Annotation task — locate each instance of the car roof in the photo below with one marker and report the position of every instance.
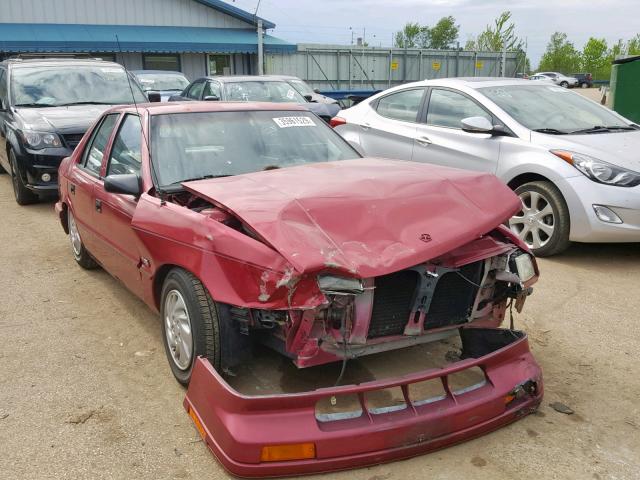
(158, 72)
(472, 82)
(245, 78)
(199, 107)
(48, 62)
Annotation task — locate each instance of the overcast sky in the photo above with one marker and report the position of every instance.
(328, 21)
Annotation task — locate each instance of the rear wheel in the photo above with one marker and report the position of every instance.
(190, 325)
(80, 254)
(584, 85)
(23, 195)
(543, 222)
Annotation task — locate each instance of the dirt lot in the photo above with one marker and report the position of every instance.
(85, 390)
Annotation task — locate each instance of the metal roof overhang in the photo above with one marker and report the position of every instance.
(59, 38)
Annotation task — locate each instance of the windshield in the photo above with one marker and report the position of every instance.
(212, 144)
(69, 85)
(551, 108)
(302, 87)
(162, 81)
(261, 91)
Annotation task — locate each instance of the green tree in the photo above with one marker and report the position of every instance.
(444, 33)
(595, 58)
(560, 56)
(409, 36)
(497, 37)
(633, 47)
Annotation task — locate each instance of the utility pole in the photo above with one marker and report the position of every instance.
(260, 49)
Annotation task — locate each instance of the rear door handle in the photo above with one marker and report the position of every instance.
(366, 126)
(72, 188)
(98, 205)
(424, 141)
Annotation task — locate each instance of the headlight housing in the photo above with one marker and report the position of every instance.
(599, 170)
(39, 140)
(340, 285)
(523, 265)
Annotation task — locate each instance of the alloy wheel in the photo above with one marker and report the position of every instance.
(177, 325)
(535, 222)
(74, 236)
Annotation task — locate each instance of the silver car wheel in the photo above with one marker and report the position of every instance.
(535, 223)
(74, 236)
(177, 325)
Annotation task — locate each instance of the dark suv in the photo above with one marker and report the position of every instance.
(585, 80)
(46, 106)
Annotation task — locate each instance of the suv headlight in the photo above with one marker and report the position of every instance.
(38, 140)
(599, 170)
(340, 285)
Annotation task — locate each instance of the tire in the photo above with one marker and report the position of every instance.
(544, 222)
(564, 84)
(22, 194)
(202, 322)
(584, 85)
(80, 253)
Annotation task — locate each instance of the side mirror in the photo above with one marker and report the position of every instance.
(211, 98)
(154, 97)
(127, 184)
(316, 90)
(308, 98)
(477, 125)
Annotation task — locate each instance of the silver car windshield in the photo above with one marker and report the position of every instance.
(551, 108)
(189, 146)
(262, 91)
(73, 85)
(162, 81)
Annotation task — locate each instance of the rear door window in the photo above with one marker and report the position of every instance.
(448, 109)
(212, 89)
(402, 105)
(94, 152)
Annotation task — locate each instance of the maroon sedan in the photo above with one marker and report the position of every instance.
(244, 223)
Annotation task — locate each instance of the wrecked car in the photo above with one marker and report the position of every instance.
(249, 222)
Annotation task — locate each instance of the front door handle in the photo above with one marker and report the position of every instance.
(366, 126)
(98, 205)
(72, 188)
(424, 141)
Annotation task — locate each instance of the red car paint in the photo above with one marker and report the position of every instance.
(362, 218)
(235, 427)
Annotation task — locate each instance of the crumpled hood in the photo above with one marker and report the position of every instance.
(366, 216)
(618, 148)
(74, 119)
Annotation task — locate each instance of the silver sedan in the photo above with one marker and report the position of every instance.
(574, 164)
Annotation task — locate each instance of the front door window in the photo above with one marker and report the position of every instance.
(219, 64)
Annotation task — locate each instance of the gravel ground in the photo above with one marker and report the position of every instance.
(86, 392)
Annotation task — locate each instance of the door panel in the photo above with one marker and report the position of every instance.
(81, 187)
(389, 129)
(441, 140)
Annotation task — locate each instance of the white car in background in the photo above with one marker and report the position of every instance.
(574, 164)
(560, 79)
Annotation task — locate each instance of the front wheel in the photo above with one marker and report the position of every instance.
(543, 223)
(23, 195)
(584, 85)
(190, 325)
(564, 84)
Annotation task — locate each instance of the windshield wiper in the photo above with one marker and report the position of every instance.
(177, 186)
(33, 105)
(603, 129)
(82, 103)
(550, 131)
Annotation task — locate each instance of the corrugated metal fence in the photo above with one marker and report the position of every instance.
(335, 67)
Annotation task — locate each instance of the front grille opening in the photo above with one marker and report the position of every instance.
(454, 296)
(466, 380)
(338, 407)
(428, 391)
(385, 400)
(392, 303)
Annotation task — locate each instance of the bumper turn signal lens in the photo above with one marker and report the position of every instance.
(197, 423)
(296, 451)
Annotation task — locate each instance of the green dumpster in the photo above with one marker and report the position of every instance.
(625, 87)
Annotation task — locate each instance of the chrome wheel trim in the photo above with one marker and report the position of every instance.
(74, 236)
(177, 327)
(535, 222)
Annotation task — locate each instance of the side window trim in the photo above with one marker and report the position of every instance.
(116, 131)
(195, 84)
(85, 154)
(374, 105)
(424, 113)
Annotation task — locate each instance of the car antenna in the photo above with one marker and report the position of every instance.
(161, 193)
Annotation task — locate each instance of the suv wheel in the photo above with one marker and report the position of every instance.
(23, 195)
(190, 325)
(543, 223)
(584, 85)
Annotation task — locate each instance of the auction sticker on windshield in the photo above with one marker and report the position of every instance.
(285, 122)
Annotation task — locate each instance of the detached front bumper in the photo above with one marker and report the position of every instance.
(237, 428)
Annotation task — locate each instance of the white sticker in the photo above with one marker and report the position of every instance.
(111, 70)
(285, 122)
(291, 94)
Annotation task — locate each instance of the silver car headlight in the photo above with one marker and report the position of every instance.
(38, 140)
(599, 170)
(340, 285)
